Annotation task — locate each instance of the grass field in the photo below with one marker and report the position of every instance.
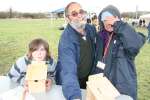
(15, 35)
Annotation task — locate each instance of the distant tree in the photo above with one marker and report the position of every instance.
(133, 14)
(10, 13)
(4, 15)
(34, 15)
(128, 14)
(14, 14)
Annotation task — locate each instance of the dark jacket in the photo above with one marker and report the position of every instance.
(124, 46)
(68, 60)
(148, 27)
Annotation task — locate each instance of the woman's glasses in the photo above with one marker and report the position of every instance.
(75, 13)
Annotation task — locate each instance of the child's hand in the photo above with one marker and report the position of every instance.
(26, 87)
(48, 84)
(25, 91)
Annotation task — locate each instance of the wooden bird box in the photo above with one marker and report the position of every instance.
(36, 77)
(100, 88)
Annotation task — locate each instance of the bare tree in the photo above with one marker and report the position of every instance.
(10, 13)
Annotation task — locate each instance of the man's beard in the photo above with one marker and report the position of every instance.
(78, 25)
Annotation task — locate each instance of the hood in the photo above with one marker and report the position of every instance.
(111, 9)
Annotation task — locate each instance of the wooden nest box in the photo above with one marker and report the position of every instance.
(100, 88)
(36, 77)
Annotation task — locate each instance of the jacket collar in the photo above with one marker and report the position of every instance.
(73, 34)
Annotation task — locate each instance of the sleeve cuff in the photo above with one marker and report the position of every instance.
(117, 25)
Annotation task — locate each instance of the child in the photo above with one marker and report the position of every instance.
(38, 51)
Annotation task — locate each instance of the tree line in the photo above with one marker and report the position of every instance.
(14, 14)
(133, 14)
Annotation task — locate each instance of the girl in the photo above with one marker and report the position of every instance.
(38, 51)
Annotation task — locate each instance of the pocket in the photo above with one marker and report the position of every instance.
(128, 88)
(118, 52)
(124, 71)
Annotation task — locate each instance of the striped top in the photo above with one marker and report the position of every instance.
(18, 70)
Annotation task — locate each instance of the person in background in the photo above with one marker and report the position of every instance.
(88, 21)
(95, 22)
(38, 50)
(121, 44)
(76, 52)
(148, 37)
(140, 22)
(143, 23)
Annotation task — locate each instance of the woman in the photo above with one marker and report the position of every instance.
(121, 44)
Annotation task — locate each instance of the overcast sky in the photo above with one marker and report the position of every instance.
(89, 5)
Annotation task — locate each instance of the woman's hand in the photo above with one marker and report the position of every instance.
(48, 84)
(109, 22)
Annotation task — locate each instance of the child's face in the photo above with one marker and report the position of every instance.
(39, 54)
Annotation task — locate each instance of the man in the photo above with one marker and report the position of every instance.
(121, 45)
(76, 52)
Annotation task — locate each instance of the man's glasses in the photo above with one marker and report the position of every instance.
(75, 13)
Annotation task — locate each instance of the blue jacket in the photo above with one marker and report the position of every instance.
(68, 60)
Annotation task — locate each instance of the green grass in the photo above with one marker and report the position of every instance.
(143, 70)
(15, 34)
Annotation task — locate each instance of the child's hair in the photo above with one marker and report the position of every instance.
(34, 45)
